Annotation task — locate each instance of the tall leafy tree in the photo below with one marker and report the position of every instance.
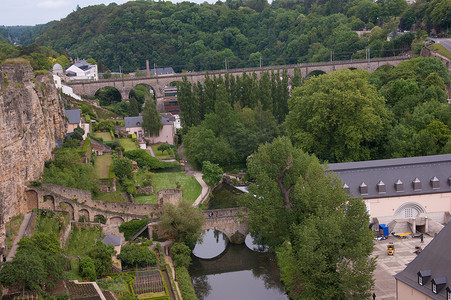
(319, 232)
(151, 118)
(338, 116)
(183, 222)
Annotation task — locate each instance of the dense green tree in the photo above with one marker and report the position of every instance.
(211, 173)
(37, 263)
(182, 222)
(136, 256)
(101, 255)
(123, 168)
(337, 116)
(181, 254)
(87, 269)
(151, 118)
(133, 109)
(301, 210)
(108, 95)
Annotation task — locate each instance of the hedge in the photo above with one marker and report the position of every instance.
(185, 284)
(130, 228)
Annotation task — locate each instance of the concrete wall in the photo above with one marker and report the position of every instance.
(166, 135)
(405, 292)
(434, 204)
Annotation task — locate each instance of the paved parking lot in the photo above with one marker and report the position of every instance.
(388, 266)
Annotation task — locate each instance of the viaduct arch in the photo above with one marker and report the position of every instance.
(124, 85)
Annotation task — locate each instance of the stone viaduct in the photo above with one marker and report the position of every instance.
(229, 221)
(125, 85)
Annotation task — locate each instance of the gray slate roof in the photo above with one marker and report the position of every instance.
(436, 258)
(73, 115)
(133, 121)
(137, 121)
(113, 240)
(390, 171)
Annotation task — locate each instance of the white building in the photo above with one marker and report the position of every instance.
(82, 70)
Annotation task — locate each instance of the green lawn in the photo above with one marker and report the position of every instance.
(102, 165)
(128, 144)
(106, 136)
(12, 228)
(159, 154)
(81, 240)
(440, 49)
(109, 197)
(190, 187)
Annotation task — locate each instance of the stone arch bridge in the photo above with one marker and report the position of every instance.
(230, 221)
(125, 85)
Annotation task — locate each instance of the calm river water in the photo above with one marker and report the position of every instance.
(231, 271)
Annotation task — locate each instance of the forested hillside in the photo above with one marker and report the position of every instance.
(189, 36)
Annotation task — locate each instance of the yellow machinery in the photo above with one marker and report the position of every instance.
(390, 249)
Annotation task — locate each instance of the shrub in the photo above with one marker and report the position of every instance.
(143, 158)
(137, 256)
(181, 254)
(130, 228)
(185, 284)
(87, 269)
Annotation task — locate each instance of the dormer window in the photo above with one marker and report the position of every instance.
(363, 189)
(138, 124)
(381, 189)
(438, 284)
(416, 184)
(346, 188)
(399, 186)
(423, 276)
(448, 292)
(435, 183)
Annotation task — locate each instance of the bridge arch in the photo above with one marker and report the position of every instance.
(116, 220)
(315, 73)
(83, 215)
(67, 207)
(108, 95)
(100, 219)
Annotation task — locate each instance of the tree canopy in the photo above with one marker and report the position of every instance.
(338, 116)
(319, 232)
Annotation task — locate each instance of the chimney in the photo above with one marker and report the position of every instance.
(147, 68)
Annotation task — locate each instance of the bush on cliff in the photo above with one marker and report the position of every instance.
(143, 158)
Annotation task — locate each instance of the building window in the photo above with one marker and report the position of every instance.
(434, 288)
(416, 184)
(346, 188)
(448, 293)
(381, 187)
(399, 186)
(363, 189)
(435, 183)
(420, 280)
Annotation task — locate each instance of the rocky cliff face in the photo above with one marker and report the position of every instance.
(32, 119)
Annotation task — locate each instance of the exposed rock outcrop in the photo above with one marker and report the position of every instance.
(32, 119)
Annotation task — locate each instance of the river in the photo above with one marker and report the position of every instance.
(229, 271)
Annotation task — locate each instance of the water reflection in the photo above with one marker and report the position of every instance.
(251, 243)
(238, 273)
(212, 244)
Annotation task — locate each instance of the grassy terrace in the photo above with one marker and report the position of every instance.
(106, 136)
(109, 197)
(159, 154)
(12, 228)
(102, 165)
(440, 49)
(128, 144)
(191, 188)
(81, 240)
